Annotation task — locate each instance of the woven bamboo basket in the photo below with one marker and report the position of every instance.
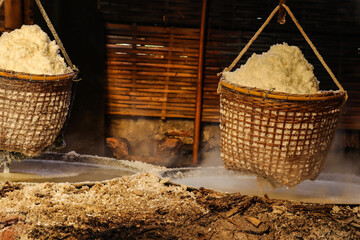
(33, 107)
(33, 110)
(281, 137)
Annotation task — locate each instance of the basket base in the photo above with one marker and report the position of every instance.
(283, 141)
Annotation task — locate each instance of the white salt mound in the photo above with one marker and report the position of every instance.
(283, 67)
(29, 50)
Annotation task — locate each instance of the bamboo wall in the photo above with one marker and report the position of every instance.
(163, 85)
(151, 71)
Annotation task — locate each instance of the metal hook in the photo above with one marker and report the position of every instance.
(282, 12)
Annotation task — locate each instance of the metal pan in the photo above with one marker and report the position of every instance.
(327, 188)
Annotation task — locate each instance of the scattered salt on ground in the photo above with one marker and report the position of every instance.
(143, 206)
(283, 68)
(118, 198)
(29, 50)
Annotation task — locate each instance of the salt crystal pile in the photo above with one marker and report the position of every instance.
(29, 50)
(283, 68)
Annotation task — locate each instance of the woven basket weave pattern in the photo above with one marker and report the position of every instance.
(285, 141)
(32, 113)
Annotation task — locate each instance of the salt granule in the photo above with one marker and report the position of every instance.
(30, 50)
(283, 68)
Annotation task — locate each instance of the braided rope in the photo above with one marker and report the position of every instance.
(243, 51)
(314, 48)
(56, 36)
(232, 65)
(54, 33)
(303, 34)
(282, 12)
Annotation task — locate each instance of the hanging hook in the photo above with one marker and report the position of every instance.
(282, 12)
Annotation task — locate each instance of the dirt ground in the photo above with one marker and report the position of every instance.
(144, 206)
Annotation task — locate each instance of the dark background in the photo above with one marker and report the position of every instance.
(80, 26)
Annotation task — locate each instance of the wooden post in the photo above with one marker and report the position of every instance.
(28, 12)
(13, 14)
(199, 89)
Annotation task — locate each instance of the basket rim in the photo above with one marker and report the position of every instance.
(36, 77)
(322, 96)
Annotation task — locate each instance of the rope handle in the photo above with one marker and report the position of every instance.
(301, 31)
(56, 36)
(281, 12)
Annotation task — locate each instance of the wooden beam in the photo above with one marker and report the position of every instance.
(13, 14)
(197, 124)
(28, 12)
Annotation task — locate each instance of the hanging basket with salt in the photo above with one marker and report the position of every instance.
(34, 107)
(279, 136)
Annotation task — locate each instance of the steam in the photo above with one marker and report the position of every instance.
(211, 158)
(339, 159)
(342, 159)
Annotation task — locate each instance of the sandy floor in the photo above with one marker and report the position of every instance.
(144, 206)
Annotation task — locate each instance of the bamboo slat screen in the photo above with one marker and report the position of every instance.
(151, 71)
(333, 28)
